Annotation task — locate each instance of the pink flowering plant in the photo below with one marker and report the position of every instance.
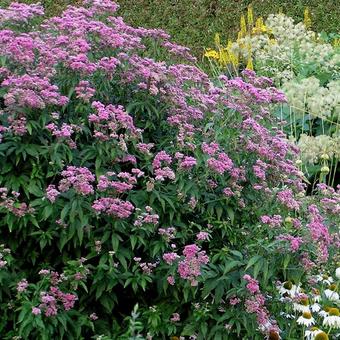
(130, 180)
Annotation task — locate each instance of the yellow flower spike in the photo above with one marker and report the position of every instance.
(307, 18)
(250, 65)
(260, 27)
(259, 22)
(272, 41)
(217, 40)
(243, 26)
(234, 59)
(211, 54)
(224, 59)
(250, 17)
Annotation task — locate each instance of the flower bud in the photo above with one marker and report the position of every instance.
(325, 169)
(289, 220)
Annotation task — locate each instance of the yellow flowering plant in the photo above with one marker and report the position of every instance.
(306, 66)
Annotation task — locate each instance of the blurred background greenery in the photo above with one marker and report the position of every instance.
(194, 22)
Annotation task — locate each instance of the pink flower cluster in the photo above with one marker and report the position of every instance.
(256, 88)
(64, 132)
(220, 165)
(127, 183)
(294, 241)
(259, 169)
(273, 221)
(102, 6)
(170, 258)
(330, 199)
(252, 284)
(210, 148)
(187, 163)
(31, 91)
(190, 267)
(234, 301)
(11, 204)
(175, 317)
(113, 207)
(202, 236)
(256, 305)
(3, 253)
(20, 13)
(22, 286)
(161, 157)
(168, 233)
(319, 232)
(145, 148)
(78, 178)
(84, 91)
(162, 173)
(147, 218)
(110, 119)
(147, 267)
(286, 197)
(49, 302)
(52, 193)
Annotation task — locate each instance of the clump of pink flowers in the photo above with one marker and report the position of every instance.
(113, 206)
(55, 300)
(9, 201)
(84, 91)
(148, 217)
(22, 286)
(78, 178)
(190, 267)
(256, 305)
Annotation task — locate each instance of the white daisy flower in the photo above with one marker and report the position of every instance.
(311, 333)
(315, 307)
(325, 279)
(302, 306)
(289, 288)
(337, 273)
(316, 295)
(331, 294)
(320, 335)
(324, 312)
(333, 318)
(306, 319)
(317, 298)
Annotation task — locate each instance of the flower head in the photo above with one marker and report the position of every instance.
(333, 318)
(306, 319)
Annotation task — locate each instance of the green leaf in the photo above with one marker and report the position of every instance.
(253, 260)
(231, 214)
(231, 265)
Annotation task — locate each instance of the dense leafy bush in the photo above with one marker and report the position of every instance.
(130, 183)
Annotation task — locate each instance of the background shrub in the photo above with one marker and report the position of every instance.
(193, 22)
